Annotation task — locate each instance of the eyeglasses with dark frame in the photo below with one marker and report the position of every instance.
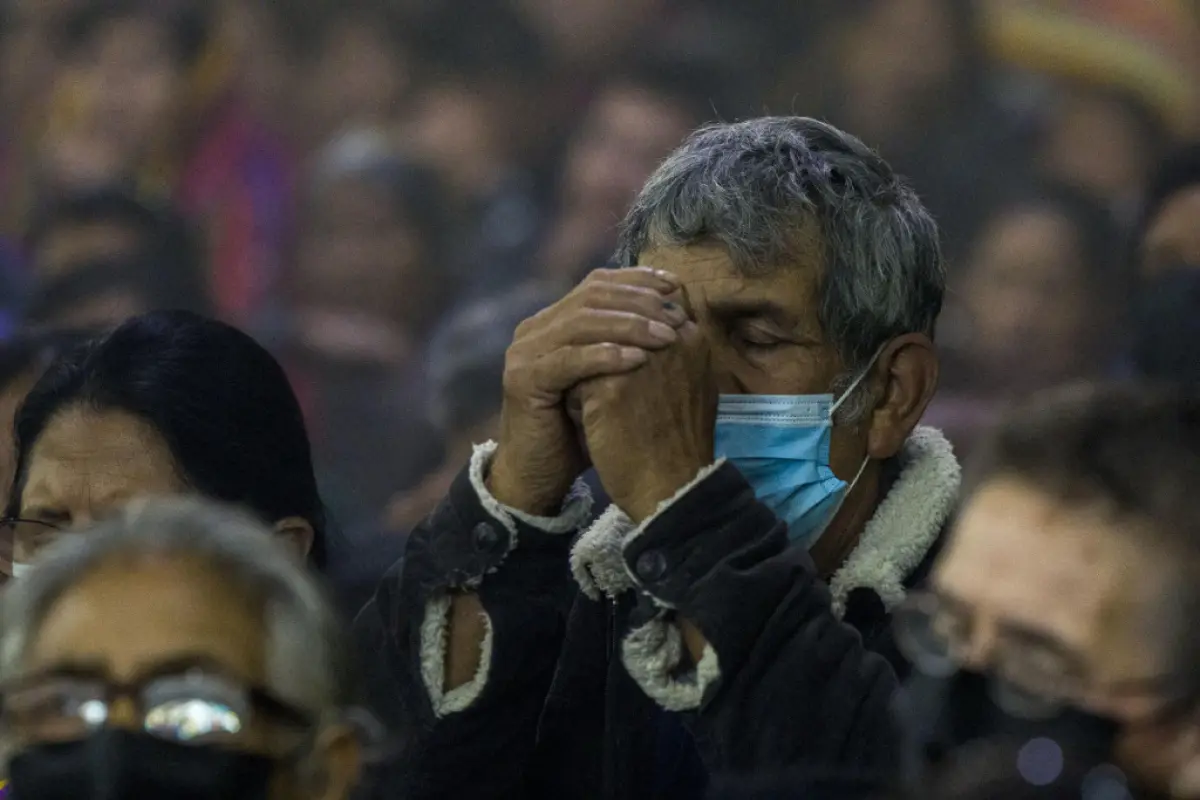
(1032, 677)
(33, 535)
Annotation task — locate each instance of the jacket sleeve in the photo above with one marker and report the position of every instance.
(783, 683)
(475, 740)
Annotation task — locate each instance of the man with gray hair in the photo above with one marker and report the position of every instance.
(176, 651)
(747, 389)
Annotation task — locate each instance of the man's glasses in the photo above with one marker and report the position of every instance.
(22, 539)
(1030, 676)
(194, 707)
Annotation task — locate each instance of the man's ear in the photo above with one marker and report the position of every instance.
(909, 367)
(299, 534)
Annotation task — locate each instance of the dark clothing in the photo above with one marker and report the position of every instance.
(560, 715)
(800, 785)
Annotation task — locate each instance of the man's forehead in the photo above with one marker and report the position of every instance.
(1023, 557)
(709, 275)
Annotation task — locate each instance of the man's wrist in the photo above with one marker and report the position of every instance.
(648, 495)
(511, 491)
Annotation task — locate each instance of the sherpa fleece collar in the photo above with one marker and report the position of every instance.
(893, 544)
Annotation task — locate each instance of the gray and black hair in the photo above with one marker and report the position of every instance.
(307, 655)
(757, 188)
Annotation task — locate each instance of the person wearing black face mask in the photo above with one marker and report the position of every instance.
(1165, 335)
(177, 652)
(1059, 621)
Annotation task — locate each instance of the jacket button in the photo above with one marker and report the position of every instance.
(486, 538)
(651, 566)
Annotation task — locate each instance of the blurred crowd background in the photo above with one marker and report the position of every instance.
(380, 190)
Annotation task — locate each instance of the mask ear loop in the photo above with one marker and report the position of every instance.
(833, 512)
(856, 382)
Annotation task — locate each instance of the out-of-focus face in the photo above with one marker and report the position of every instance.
(147, 623)
(1026, 295)
(897, 60)
(452, 129)
(1173, 236)
(103, 310)
(126, 87)
(358, 255)
(1094, 142)
(1055, 594)
(268, 77)
(627, 132)
(584, 31)
(70, 245)
(86, 465)
(359, 78)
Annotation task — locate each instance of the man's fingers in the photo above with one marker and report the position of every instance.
(648, 303)
(567, 366)
(591, 326)
(647, 277)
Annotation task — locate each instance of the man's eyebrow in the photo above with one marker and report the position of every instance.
(732, 309)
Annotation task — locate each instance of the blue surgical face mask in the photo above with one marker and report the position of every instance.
(780, 443)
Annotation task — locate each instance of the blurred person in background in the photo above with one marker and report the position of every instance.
(145, 96)
(466, 371)
(1061, 613)
(102, 294)
(1103, 141)
(359, 72)
(589, 36)
(635, 120)
(479, 119)
(1168, 233)
(1165, 323)
(370, 279)
(109, 223)
(271, 42)
(1165, 309)
(1037, 296)
(176, 651)
(168, 403)
(911, 77)
(778, 256)
(1117, 83)
(85, 250)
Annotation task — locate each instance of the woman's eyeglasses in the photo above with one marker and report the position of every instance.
(194, 707)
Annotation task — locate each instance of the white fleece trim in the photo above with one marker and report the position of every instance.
(435, 636)
(577, 506)
(893, 543)
(905, 525)
(652, 653)
(597, 558)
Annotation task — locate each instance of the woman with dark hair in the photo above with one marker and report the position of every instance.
(167, 403)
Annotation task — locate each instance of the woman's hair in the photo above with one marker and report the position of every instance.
(220, 401)
(30, 353)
